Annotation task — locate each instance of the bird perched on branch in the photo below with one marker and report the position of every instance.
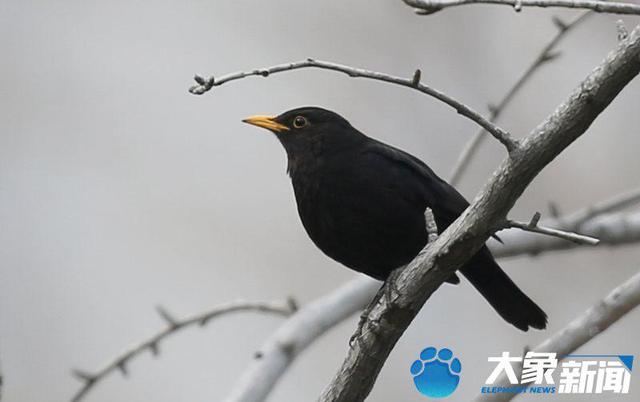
(362, 203)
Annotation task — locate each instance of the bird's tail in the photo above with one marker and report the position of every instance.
(506, 298)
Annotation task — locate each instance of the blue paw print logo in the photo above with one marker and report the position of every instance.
(436, 374)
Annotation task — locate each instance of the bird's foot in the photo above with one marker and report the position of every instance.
(390, 284)
(364, 317)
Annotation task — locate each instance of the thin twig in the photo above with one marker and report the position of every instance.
(533, 226)
(426, 7)
(595, 220)
(585, 327)
(613, 229)
(152, 344)
(616, 203)
(546, 55)
(206, 84)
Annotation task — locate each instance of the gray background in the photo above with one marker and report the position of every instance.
(120, 191)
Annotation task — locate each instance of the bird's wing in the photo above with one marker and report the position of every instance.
(444, 200)
(440, 195)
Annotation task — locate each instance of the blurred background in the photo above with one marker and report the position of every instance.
(120, 191)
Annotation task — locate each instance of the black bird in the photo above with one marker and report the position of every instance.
(362, 203)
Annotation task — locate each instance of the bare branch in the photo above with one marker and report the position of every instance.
(426, 7)
(611, 230)
(173, 325)
(533, 226)
(393, 313)
(297, 332)
(616, 203)
(545, 56)
(596, 220)
(204, 85)
(585, 327)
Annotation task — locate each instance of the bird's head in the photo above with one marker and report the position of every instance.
(309, 132)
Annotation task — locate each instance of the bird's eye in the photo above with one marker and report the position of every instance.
(300, 122)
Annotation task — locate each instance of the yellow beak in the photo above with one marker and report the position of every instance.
(266, 122)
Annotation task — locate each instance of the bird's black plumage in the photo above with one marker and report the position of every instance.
(362, 203)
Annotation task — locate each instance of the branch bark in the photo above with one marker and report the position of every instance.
(585, 327)
(394, 311)
(426, 7)
(206, 84)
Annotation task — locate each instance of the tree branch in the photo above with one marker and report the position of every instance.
(206, 84)
(394, 311)
(174, 325)
(588, 325)
(613, 204)
(545, 56)
(533, 226)
(611, 229)
(596, 220)
(426, 7)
